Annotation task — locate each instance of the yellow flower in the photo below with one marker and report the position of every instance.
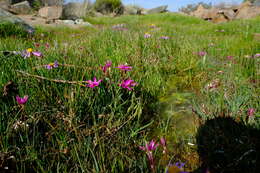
(29, 50)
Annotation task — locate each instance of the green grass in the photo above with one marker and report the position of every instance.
(73, 128)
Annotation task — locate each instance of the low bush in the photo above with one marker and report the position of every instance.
(109, 6)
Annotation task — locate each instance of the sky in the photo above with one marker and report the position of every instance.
(173, 5)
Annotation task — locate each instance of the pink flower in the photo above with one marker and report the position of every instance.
(230, 57)
(149, 148)
(202, 53)
(152, 26)
(147, 35)
(21, 100)
(163, 141)
(39, 54)
(128, 84)
(125, 67)
(250, 112)
(163, 144)
(106, 66)
(52, 65)
(257, 55)
(94, 83)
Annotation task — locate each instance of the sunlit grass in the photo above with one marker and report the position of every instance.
(74, 128)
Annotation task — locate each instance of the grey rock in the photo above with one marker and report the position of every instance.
(97, 14)
(256, 3)
(160, 9)
(4, 5)
(132, 10)
(6, 17)
(76, 22)
(52, 12)
(228, 13)
(68, 22)
(143, 12)
(21, 8)
(73, 11)
(52, 2)
(86, 24)
(79, 21)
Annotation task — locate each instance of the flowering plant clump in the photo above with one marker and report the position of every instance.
(152, 26)
(230, 57)
(22, 100)
(52, 65)
(163, 144)
(202, 53)
(125, 67)
(127, 84)
(250, 112)
(147, 35)
(120, 27)
(28, 53)
(106, 66)
(257, 55)
(149, 148)
(94, 83)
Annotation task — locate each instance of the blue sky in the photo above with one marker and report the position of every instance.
(173, 5)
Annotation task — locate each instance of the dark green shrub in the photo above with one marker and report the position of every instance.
(9, 29)
(109, 6)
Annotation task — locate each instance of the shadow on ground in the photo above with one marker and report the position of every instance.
(227, 146)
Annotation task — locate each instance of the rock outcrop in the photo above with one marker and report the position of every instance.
(73, 11)
(247, 11)
(51, 12)
(4, 5)
(21, 8)
(244, 11)
(160, 9)
(6, 17)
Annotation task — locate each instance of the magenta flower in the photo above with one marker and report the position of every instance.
(21, 100)
(202, 53)
(163, 141)
(94, 83)
(163, 144)
(164, 37)
(250, 112)
(106, 66)
(125, 67)
(52, 65)
(128, 84)
(149, 148)
(230, 57)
